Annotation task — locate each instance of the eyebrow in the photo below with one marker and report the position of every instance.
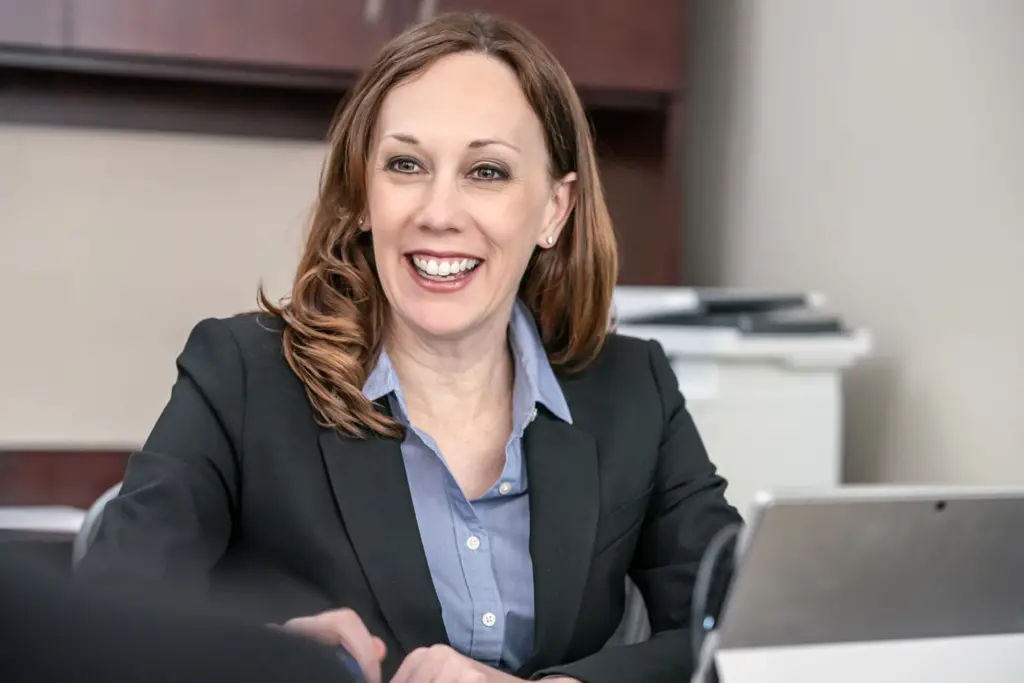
(475, 144)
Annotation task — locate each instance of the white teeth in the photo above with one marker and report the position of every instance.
(444, 268)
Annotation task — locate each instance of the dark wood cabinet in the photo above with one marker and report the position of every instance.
(329, 35)
(33, 23)
(278, 68)
(603, 44)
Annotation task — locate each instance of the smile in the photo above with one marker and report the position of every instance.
(443, 273)
(442, 269)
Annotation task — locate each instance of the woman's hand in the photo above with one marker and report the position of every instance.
(344, 627)
(442, 664)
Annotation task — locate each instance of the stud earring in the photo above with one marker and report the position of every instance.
(550, 240)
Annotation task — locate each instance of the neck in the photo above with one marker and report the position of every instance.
(446, 380)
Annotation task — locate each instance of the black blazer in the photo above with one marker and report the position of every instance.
(238, 490)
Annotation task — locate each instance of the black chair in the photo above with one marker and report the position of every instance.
(91, 524)
(635, 626)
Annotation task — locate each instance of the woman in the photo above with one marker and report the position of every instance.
(435, 431)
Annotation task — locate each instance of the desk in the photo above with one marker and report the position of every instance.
(57, 520)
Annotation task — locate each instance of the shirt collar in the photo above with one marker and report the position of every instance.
(531, 362)
(534, 383)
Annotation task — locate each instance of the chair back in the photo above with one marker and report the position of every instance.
(635, 626)
(91, 524)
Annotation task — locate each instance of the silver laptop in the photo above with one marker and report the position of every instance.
(879, 584)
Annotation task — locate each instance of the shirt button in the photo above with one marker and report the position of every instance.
(504, 488)
(533, 414)
(489, 619)
(472, 542)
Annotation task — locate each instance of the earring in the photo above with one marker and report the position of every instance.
(550, 240)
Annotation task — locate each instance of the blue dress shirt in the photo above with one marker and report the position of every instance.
(478, 550)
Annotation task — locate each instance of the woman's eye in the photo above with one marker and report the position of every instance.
(403, 165)
(488, 173)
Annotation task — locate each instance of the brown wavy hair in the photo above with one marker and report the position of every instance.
(336, 314)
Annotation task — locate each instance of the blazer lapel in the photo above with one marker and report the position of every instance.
(372, 492)
(561, 462)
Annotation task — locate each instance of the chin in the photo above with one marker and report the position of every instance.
(445, 319)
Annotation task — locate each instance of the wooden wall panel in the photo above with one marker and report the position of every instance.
(75, 478)
(33, 23)
(337, 35)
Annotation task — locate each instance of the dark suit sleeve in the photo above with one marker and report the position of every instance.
(173, 518)
(687, 510)
(55, 632)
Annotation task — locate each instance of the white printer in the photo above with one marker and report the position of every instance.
(762, 376)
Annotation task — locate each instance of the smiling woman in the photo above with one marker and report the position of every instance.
(465, 141)
(433, 452)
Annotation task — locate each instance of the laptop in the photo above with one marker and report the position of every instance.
(879, 584)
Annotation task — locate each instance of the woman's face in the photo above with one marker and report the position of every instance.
(460, 194)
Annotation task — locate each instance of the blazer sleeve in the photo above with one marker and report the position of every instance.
(687, 510)
(173, 518)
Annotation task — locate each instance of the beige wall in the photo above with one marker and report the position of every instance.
(112, 246)
(874, 150)
(869, 149)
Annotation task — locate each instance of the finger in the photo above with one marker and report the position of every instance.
(382, 649)
(356, 638)
(434, 663)
(452, 670)
(310, 627)
(471, 675)
(408, 671)
(456, 668)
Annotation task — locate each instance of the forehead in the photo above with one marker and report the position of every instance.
(461, 96)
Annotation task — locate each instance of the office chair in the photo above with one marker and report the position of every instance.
(634, 627)
(91, 524)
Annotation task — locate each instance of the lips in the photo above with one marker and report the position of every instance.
(443, 273)
(443, 268)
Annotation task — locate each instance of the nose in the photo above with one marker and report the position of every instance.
(442, 205)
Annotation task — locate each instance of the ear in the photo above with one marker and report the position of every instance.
(560, 205)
